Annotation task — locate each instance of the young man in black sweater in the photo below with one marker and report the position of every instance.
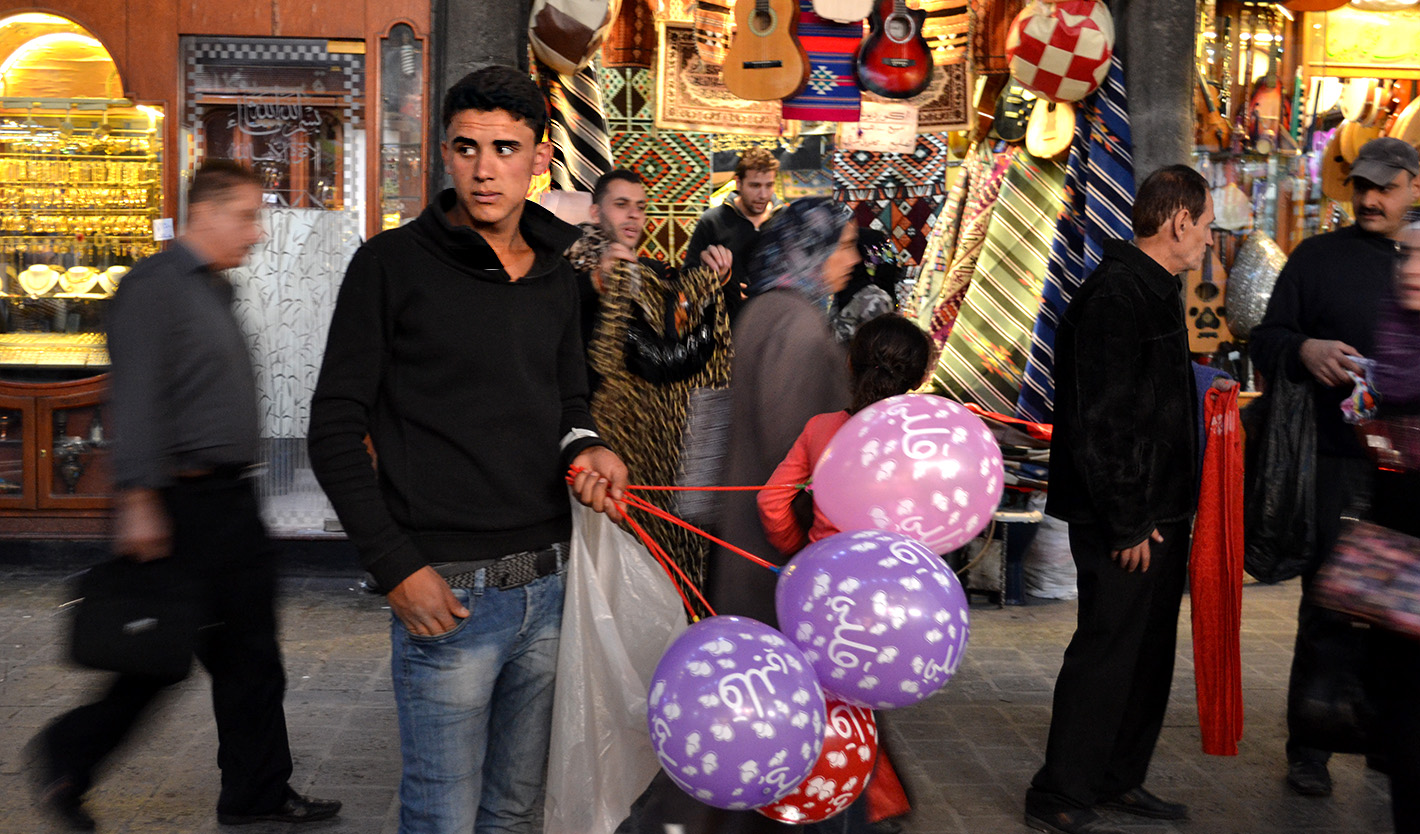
(455, 347)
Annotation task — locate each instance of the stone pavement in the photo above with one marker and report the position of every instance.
(969, 751)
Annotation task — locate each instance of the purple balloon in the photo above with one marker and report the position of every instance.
(882, 619)
(736, 713)
(916, 464)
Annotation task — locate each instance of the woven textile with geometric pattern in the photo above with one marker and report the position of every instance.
(985, 357)
(831, 94)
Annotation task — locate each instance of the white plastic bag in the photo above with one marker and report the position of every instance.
(620, 614)
(1049, 568)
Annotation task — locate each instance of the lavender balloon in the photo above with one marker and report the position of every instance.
(736, 713)
(916, 464)
(882, 619)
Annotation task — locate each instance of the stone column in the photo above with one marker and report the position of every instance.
(1156, 39)
(469, 34)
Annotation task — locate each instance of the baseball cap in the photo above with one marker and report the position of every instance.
(1381, 159)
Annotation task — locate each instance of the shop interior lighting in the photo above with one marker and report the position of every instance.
(47, 42)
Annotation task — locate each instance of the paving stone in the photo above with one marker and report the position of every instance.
(967, 754)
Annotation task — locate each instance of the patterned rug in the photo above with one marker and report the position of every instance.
(674, 164)
(632, 39)
(862, 175)
(691, 96)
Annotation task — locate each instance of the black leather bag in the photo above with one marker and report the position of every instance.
(1279, 489)
(662, 359)
(139, 618)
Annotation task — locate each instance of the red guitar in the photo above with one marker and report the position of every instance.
(894, 60)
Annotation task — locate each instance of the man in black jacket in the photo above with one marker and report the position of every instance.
(1320, 319)
(1123, 475)
(455, 347)
(735, 223)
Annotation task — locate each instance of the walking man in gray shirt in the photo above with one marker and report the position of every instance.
(183, 410)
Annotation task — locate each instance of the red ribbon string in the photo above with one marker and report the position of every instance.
(642, 504)
(668, 564)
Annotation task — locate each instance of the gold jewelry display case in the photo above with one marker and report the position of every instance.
(80, 180)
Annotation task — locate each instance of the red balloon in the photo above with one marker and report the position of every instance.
(850, 748)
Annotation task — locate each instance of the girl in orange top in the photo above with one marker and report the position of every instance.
(889, 356)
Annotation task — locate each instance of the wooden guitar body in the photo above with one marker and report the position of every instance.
(765, 61)
(894, 60)
(1203, 298)
(1050, 130)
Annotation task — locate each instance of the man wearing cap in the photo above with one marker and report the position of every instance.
(1319, 322)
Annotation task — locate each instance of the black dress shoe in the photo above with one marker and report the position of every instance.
(1309, 778)
(63, 804)
(1141, 803)
(1082, 821)
(55, 791)
(296, 808)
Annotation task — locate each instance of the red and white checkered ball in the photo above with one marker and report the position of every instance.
(1061, 50)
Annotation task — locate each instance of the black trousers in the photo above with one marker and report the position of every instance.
(1114, 685)
(1342, 487)
(219, 538)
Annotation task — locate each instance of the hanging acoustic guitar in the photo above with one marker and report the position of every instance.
(1207, 317)
(765, 61)
(894, 60)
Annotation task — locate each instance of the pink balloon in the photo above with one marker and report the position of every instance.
(916, 464)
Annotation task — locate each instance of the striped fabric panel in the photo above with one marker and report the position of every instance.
(1100, 194)
(941, 242)
(987, 174)
(985, 357)
(947, 29)
(581, 145)
(831, 94)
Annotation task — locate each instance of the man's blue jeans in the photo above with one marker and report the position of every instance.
(475, 712)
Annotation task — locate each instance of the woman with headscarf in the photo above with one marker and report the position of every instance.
(787, 367)
(871, 291)
(1396, 496)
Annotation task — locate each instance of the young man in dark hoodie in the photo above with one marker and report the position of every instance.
(735, 223)
(455, 347)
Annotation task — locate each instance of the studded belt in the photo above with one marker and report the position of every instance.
(513, 570)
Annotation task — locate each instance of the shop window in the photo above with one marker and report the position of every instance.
(401, 126)
(81, 183)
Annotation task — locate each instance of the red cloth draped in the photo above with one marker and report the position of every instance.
(1215, 574)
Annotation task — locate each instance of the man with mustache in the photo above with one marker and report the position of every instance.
(1319, 322)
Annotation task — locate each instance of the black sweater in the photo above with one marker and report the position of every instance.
(1329, 289)
(726, 226)
(468, 385)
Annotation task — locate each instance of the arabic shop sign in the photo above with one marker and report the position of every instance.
(267, 115)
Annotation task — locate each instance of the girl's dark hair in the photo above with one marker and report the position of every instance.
(888, 356)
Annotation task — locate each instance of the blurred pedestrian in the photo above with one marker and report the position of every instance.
(1320, 318)
(183, 409)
